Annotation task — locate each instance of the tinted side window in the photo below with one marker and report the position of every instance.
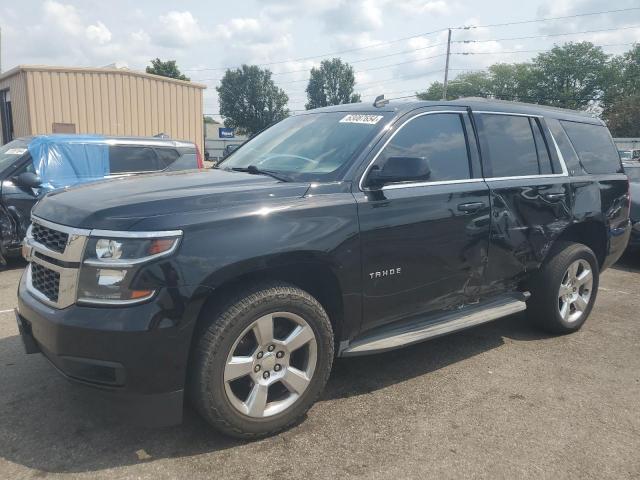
(565, 147)
(594, 147)
(131, 159)
(508, 143)
(438, 137)
(166, 156)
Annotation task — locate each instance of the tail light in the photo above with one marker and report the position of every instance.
(199, 161)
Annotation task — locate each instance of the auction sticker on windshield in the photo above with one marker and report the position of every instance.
(366, 119)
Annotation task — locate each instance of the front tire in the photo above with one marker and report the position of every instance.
(564, 290)
(263, 362)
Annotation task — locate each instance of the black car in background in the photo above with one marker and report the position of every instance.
(632, 169)
(347, 230)
(31, 167)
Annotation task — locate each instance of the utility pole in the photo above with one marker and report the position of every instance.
(446, 67)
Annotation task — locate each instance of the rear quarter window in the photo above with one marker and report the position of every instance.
(133, 159)
(166, 157)
(594, 147)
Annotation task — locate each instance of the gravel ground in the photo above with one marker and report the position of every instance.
(498, 401)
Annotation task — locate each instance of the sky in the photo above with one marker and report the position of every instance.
(395, 46)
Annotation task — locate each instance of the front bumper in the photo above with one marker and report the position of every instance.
(137, 355)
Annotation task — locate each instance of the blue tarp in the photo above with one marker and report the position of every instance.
(65, 160)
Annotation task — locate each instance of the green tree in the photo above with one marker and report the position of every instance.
(166, 69)
(249, 100)
(209, 119)
(331, 84)
(511, 81)
(569, 76)
(468, 84)
(623, 117)
(623, 82)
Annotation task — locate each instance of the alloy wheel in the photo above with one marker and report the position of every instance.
(575, 291)
(270, 365)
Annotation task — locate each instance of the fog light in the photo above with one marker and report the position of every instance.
(108, 278)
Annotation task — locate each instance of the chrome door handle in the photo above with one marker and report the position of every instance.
(470, 207)
(554, 196)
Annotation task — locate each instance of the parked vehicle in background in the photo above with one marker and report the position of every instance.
(346, 230)
(632, 169)
(30, 167)
(625, 155)
(229, 149)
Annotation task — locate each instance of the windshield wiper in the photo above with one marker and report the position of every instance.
(253, 170)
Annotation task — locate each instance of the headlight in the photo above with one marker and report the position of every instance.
(112, 260)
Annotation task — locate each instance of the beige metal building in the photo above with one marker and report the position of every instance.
(110, 101)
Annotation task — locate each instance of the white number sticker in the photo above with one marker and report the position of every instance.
(16, 151)
(366, 119)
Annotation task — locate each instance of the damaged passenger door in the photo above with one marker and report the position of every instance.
(18, 194)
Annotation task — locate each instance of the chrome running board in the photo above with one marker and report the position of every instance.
(396, 336)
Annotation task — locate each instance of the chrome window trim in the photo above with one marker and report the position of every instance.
(490, 112)
(525, 177)
(563, 166)
(395, 186)
(413, 184)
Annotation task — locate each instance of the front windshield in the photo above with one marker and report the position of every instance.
(308, 147)
(11, 152)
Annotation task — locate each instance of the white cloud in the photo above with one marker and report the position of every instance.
(98, 32)
(419, 7)
(254, 40)
(177, 30)
(63, 17)
(563, 8)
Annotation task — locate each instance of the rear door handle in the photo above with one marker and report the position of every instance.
(554, 196)
(470, 207)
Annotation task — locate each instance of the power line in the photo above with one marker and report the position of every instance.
(313, 57)
(424, 34)
(443, 43)
(372, 68)
(546, 36)
(413, 50)
(522, 22)
(532, 51)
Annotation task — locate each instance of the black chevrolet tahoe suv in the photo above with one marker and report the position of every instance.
(346, 230)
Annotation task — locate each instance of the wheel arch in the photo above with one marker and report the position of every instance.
(309, 271)
(591, 233)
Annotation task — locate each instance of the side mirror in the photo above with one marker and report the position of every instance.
(399, 169)
(28, 179)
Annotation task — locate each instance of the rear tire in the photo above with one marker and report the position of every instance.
(263, 362)
(564, 290)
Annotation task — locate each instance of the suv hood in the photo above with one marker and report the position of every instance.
(120, 203)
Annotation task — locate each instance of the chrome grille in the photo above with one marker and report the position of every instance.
(52, 239)
(54, 253)
(46, 281)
